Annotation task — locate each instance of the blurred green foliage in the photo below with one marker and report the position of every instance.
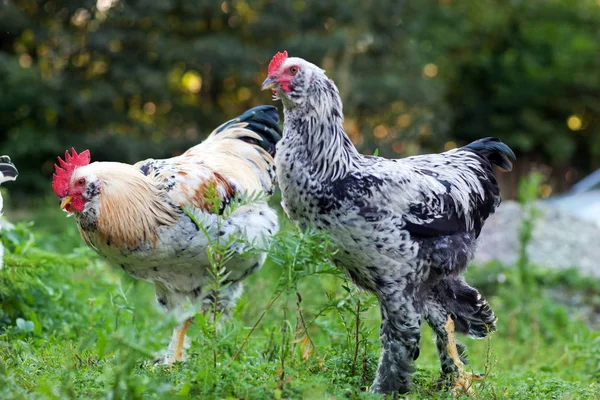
(71, 327)
(140, 78)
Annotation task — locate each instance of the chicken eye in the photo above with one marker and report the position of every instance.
(81, 182)
(293, 70)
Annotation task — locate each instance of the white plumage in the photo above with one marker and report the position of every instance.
(137, 216)
(8, 172)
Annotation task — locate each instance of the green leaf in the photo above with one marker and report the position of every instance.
(25, 326)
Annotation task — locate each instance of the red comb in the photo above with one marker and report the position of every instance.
(276, 62)
(62, 176)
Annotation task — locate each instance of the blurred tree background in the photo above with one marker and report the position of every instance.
(149, 78)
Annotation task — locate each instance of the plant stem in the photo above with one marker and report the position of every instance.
(237, 353)
(356, 338)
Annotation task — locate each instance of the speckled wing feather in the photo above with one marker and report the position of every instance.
(188, 181)
(439, 194)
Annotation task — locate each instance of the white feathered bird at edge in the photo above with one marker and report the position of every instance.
(8, 172)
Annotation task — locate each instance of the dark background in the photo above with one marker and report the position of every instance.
(135, 79)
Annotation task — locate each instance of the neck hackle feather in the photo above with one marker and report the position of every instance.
(131, 207)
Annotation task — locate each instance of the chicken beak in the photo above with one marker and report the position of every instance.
(269, 83)
(65, 201)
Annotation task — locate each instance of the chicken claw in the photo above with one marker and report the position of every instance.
(463, 382)
(178, 352)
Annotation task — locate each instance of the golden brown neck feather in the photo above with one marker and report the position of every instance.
(131, 206)
(245, 163)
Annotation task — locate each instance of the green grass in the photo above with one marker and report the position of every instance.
(72, 327)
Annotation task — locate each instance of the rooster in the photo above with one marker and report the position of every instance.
(8, 172)
(405, 229)
(137, 216)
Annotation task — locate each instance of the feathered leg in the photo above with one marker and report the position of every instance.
(437, 317)
(400, 335)
(225, 300)
(177, 346)
(451, 353)
(176, 350)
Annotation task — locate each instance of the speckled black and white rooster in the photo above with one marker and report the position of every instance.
(405, 228)
(133, 214)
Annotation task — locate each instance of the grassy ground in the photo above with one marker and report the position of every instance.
(72, 327)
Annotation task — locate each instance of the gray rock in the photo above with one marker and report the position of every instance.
(559, 241)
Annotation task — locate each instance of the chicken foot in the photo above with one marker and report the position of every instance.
(463, 382)
(180, 340)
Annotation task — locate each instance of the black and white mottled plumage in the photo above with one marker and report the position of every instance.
(405, 228)
(8, 172)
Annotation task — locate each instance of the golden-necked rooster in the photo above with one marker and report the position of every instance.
(135, 215)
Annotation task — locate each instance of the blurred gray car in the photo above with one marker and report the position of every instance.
(583, 200)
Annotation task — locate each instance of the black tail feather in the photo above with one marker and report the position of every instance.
(495, 151)
(263, 121)
(471, 312)
(8, 171)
